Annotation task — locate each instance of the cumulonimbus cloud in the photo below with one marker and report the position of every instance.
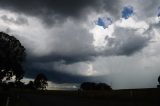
(70, 44)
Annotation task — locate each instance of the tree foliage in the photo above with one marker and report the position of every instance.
(12, 54)
(94, 86)
(158, 86)
(159, 79)
(40, 82)
(30, 85)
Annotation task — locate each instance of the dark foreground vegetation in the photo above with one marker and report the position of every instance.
(12, 57)
(132, 97)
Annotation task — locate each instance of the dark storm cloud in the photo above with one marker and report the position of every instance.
(67, 59)
(53, 75)
(58, 76)
(70, 50)
(64, 52)
(52, 11)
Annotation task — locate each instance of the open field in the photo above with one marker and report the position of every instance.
(134, 97)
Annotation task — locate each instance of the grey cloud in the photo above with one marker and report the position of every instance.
(69, 42)
(72, 43)
(75, 44)
(19, 20)
(53, 11)
(126, 41)
(58, 76)
(138, 71)
(113, 7)
(49, 10)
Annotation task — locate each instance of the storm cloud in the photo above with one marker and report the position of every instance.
(128, 43)
(19, 20)
(71, 41)
(57, 11)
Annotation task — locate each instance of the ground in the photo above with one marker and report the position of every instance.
(130, 97)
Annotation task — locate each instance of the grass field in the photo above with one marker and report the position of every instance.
(130, 97)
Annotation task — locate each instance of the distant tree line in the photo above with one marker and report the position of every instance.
(12, 56)
(40, 83)
(94, 86)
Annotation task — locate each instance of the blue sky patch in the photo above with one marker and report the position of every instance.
(127, 12)
(104, 22)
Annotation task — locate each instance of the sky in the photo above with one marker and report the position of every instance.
(110, 41)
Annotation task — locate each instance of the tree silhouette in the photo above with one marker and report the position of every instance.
(158, 86)
(94, 86)
(30, 85)
(103, 86)
(40, 82)
(88, 86)
(159, 79)
(12, 54)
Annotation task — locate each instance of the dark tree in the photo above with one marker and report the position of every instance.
(12, 54)
(158, 86)
(94, 86)
(103, 86)
(40, 82)
(19, 84)
(30, 85)
(159, 79)
(88, 86)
